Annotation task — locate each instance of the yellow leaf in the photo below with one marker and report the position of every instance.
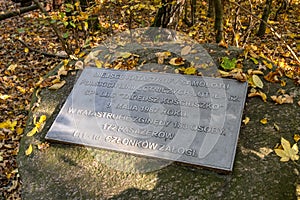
(8, 124)
(258, 93)
(223, 44)
(28, 150)
(1, 158)
(186, 50)
(190, 70)
(123, 54)
(177, 61)
(26, 50)
(98, 63)
(296, 137)
(264, 121)
(21, 89)
(4, 96)
(57, 85)
(77, 3)
(19, 131)
(56, 80)
(32, 132)
(282, 83)
(257, 82)
(287, 153)
(246, 120)
(42, 118)
(66, 61)
(81, 54)
(281, 153)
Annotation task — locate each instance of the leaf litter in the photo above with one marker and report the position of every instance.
(22, 70)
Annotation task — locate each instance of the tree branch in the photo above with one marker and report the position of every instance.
(42, 53)
(54, 27)
(272, 29)
(18, 12)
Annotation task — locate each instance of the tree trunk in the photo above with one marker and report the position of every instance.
(168, 15)
(211, 9)
(264, 18)
(193, 10)
(219, 20)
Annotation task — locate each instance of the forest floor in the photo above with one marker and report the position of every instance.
(21, 68)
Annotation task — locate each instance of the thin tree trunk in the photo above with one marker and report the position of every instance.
(265, 17)
(211, 9)
(56, 30)
(193, 10)
(219, 20)
(168, 15)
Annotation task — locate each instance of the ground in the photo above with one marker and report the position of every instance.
(21, 70)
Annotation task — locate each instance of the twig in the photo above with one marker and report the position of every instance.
(40, 52)
(272, 29)
(18, 12)
(54, 27)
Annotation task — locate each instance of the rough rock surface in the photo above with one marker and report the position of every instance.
(65, 171)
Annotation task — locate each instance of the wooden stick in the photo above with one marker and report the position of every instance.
(42, 53)
(18, 12)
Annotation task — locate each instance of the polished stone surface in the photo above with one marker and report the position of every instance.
(190, 119)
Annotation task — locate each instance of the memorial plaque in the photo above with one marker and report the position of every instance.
(189, 119)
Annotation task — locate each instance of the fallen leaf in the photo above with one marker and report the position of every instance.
(8, 124)
(257, 82)
(177, 61)
(98, 63)
(19, 130)
(56, 80)
(4, 96)
(258, 93)
(273, 77)
(254, 60)
(240, 76)
(190, 70)
(37, 125)
(276, 127)
(161, 56)
(33, 131)
(21, 89)
(264, 121)
(123, 54)
(246, 120)
(296, 137)
(223, 44)
(281, 99)
(12, 67)
(28, 150)
(299, 103)
(286, 152)
(228, 64)
(43, 146)
(57, 85)
(42, 118)
(186, 50)
(79, 64)
(282, 83)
